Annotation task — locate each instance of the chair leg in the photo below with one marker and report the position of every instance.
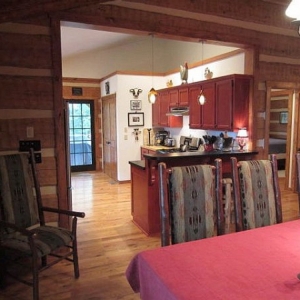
(2, 269)
(35, 279)
(75, 259)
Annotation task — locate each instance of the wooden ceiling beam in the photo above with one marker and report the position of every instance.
(14, 10)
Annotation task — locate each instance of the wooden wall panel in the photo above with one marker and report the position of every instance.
(25, 50)
(26, 92)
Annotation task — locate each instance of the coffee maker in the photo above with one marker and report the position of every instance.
(160, 137)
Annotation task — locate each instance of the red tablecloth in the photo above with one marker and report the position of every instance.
(256, 264)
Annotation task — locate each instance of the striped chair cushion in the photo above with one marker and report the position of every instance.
(47, 239)
(192, 203)
(257, 193)
(17, 201)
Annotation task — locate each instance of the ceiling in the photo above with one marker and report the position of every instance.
(77, 38)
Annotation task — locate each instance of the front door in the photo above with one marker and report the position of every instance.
(109, 136)
(81, 133)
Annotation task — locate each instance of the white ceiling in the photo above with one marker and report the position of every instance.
(77, 38)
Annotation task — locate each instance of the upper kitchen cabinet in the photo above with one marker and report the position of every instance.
(179, 96)
(202, 116)
(160, 109)
(195, 107)
(232, 102)
(226, 106)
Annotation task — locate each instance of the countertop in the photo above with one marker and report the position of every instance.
(154, 148)
(214, 153)
(180, 155)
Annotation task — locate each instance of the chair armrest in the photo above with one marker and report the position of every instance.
(64, 212)
(24, 231)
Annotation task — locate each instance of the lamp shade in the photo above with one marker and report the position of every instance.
(152, 96)
(293, 10)
(242, 133)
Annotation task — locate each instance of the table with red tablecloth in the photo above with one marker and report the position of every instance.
(258, 264)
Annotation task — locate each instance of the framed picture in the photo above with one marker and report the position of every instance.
(135, 104)
(283, 117)
(135, 119)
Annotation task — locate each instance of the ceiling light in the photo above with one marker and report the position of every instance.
(201, 98)
(293, 10)
(152, 93)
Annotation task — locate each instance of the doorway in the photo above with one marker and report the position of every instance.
(109, 126)
(81, 133)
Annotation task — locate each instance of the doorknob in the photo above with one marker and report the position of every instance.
(108, 143)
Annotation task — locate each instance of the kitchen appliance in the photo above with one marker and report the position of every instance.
(178, 111)
(169, 142)
(160, 137)
(189, 143)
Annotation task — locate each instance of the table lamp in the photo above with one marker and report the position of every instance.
(242, 138)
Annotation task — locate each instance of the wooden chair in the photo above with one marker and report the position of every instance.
(191, 204)
(256, 193)
(25, 238)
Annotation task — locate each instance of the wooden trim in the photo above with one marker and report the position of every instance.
(64, 201)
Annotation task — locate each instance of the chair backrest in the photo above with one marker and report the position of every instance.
(17, 198)
(191, 205)
(256, 191)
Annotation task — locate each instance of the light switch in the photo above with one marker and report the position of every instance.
(29, 132)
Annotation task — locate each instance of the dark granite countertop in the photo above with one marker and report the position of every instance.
(214, 153)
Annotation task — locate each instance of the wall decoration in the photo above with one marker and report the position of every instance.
(135, 92)
(107, 88)
(283, 117)
(135, 104)
(135, 119)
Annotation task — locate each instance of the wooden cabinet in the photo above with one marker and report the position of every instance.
(226, 106)
(160, 109)
(195, 107)
(202, 116)
(208, 109)
(146, 151)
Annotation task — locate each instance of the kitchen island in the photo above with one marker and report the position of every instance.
(144, 181)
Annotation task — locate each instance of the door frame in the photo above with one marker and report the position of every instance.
(292, 130)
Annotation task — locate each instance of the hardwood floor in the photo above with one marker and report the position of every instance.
(107, 241)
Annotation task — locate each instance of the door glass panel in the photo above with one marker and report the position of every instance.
(80, 134)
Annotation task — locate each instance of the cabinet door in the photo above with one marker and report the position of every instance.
(173, 97)
(224, 104)
(183, 97)
(195, 107)
(164, 109)
(208, 109)
(155, 111)
(144, 151)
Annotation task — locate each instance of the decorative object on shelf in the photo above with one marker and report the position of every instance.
(136, 133)
(107, 88)
(135, 119)
(201, 98)
(152, 93)
(135, 104)
(135, 92)
(242, 138)
(208, 74)
(283, 117)
(184, 72)
(169, 83)
(149, 136)
(293, 11)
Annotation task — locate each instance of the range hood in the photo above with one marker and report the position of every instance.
(178, 111)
